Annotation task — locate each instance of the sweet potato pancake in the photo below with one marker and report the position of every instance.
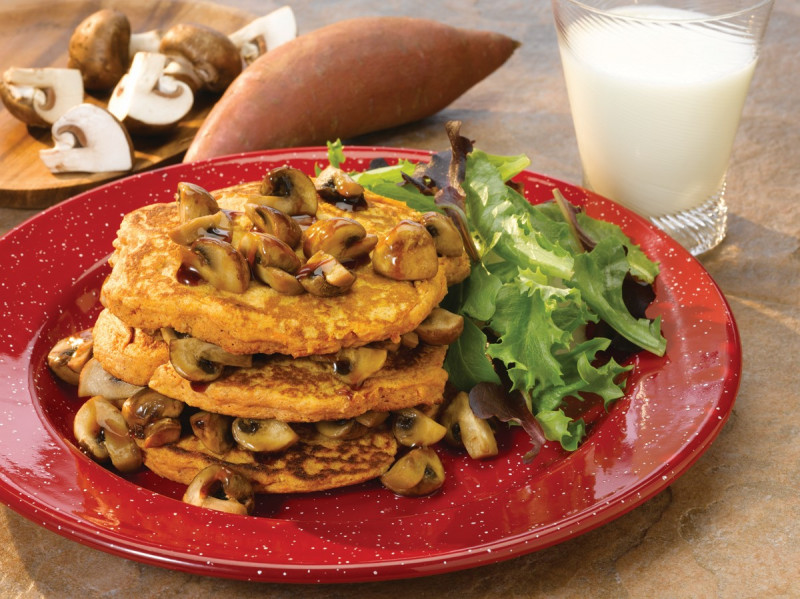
(315, 463)
(277, 386)
(143, 291)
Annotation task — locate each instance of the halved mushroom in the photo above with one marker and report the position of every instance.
(272, 262)
(218, 263)
(440, 327)
(325, 276)
(200, 361)
(39, 97)
(412, 428)
(354, 365)
(99, 47)
(265, 33)
(100, 430)
(153, 417)
(194, 201)
(342, 238)
(95, 380)
(465, 429)
(341, 429)
(213, 430)
(271, 220)
(211, 225)
(70, 355)
(445, 234)
(88, 139)
(263, 436)
(201, 57)
(417, 473)
(289, 190)
(146, 100)
(336, 187)
(406, 253)
(217, 487)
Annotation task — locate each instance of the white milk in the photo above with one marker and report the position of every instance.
(655, 107)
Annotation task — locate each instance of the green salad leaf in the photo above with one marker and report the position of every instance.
(536, 291)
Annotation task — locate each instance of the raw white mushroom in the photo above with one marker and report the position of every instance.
(265, 33)
(146, 100)
(88, 139)
(40, 96)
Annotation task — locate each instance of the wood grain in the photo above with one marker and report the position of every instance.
(36, 34)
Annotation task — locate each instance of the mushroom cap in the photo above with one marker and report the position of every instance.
(214, 57)
(99, 47)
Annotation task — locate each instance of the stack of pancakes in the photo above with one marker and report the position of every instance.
(295, 343)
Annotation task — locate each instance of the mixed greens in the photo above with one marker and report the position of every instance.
(552, 293)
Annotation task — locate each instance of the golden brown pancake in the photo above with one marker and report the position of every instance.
(144, 292)
(289, 389)
(315, 463)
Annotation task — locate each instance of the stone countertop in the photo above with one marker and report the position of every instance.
(726, 528)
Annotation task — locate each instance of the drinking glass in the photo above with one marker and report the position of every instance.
(656, 92)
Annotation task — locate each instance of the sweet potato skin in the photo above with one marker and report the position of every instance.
(346, 79)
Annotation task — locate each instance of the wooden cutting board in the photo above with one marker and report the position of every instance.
(36, 34)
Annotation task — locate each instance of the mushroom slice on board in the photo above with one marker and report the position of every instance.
(218, 488)
(39, 97)
(145, 41)
(201, 56)
(99, 48)
(419, 472)
(88, 139)
(146, 100)
(265, 33)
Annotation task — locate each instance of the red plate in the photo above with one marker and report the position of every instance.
(486, 512)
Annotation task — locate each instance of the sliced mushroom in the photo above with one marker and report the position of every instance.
(372, 418)
(99, 47)
(445, 234)
(88, 139)
(440, 327)
(354, 365)
(201, 57)
(200, 361)
(271, 220)
(342, 238)
(146, 100)
(263, 436)
(95, 380)
(194, 201)
(465, 429)
(213, 430)
(412, 428)
(211, 225)
(324, 276)
(406, 253)
(217, 487)
(289, 190)
(341, 429)
(272, 262)
(153, 417)
(39, 97)
(218, 263)
(100, 430)
(145, 41)
(70, 355)
(265, 33)
(336, 187)
(417, 473)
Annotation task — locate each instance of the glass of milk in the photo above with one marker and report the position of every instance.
(656, 91)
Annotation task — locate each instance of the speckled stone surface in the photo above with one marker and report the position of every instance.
(729, 526)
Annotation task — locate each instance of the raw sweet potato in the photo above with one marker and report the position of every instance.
(346, 79)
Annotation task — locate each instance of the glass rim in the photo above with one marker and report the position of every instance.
(753, 6)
